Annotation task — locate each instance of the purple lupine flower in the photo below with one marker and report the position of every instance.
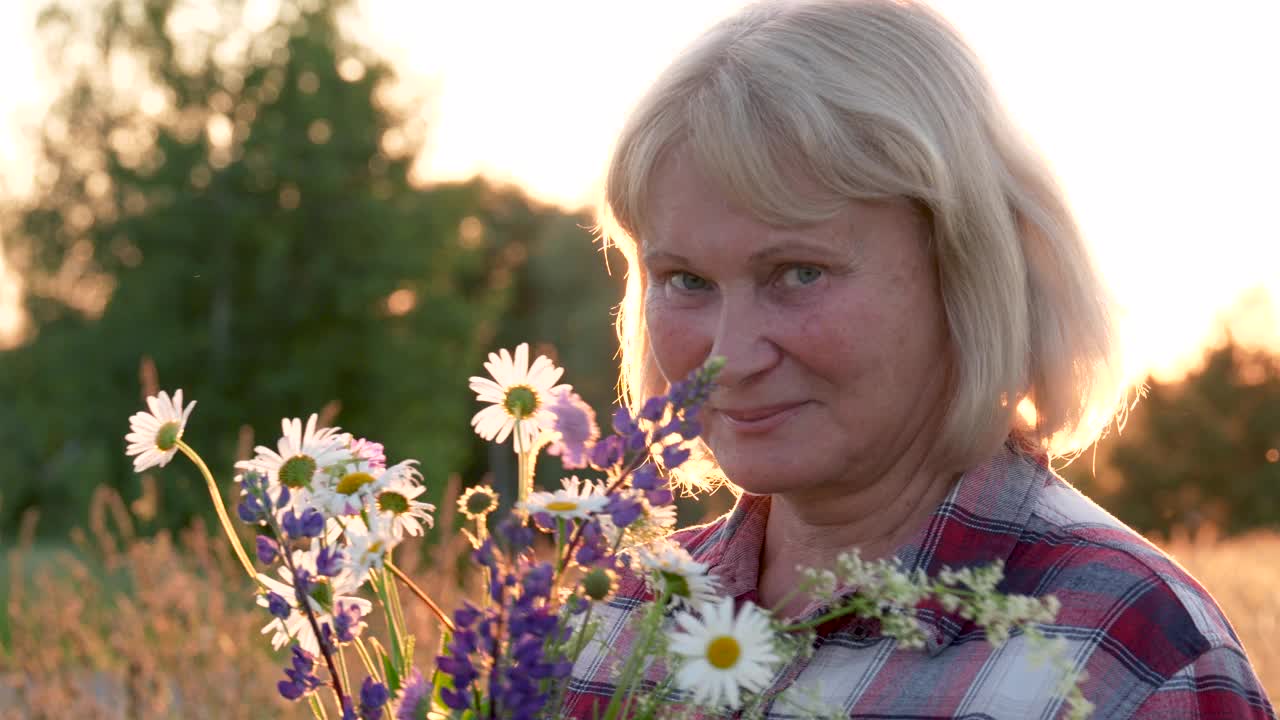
(623, 424)
(278, 606)
(301, 584)
(415, 698)
(310, 524)
(659, 496)
(645, 477)
(594, 547)
(347, 622)
(606, 453)
(466, 616)
(267, 549)
(624, 510)
(537, 580)
(575, 422)
(517, 536)
(329, 561)
(674, 455)
(301, 680)
(455, 699)
(654, 408)
(373, 695)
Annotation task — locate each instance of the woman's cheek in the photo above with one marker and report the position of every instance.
(676, 339)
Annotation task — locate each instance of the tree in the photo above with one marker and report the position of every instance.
(242, 216)
(1202, 451)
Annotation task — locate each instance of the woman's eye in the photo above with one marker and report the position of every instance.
(801, 275)
(687, 282)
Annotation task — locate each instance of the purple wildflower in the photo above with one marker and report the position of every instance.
(267, 549)
(301, 680)
(347, 622)
(415, 698)
(606, 453)
(624, 510)
(660, 496)
(310, 524)
(674, 455)
(373, 695)
(329, 561)
(645, 477)
(623, 424)
(278, 606)
(575, 422)
(654, 408)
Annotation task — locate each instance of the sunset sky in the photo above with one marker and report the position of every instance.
(1160, 118)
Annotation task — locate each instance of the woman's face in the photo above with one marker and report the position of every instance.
(834, 335)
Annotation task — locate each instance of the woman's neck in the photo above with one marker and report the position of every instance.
(812, 531)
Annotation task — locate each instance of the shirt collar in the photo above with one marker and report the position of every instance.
(979, 523)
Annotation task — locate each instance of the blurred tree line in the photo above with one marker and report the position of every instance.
(1201, 452)
(236, 218)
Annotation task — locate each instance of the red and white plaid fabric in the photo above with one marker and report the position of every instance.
(1153, 642)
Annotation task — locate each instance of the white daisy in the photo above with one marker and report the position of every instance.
(303, 458)
(367, 546)
(670, 569)
(326, 594)
(518, 391)
(397, 504)
(358, 485)
(155, 435)
(575, 500)
(723, 654)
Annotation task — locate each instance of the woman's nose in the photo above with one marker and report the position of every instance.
(742, 338)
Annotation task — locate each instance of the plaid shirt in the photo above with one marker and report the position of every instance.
(1151, 639)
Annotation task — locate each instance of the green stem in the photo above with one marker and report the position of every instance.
(317, 707)
(421, 595)
(639, 653)
(216, 495)
(365, 658)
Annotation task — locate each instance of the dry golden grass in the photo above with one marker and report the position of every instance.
(122, 627)
(1243, 574)
(117, 626)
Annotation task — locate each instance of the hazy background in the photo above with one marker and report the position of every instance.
(295, 207)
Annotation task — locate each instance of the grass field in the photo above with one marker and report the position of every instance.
(115, 626)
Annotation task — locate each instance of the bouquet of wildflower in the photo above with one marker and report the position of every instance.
(327, 511)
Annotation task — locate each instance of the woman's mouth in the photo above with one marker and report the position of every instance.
(759, 419)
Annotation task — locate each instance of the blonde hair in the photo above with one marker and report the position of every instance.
(873, 99)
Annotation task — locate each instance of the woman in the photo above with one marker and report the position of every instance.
(828, 195)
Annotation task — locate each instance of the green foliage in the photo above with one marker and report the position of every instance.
(1203, 451)
(255, 236)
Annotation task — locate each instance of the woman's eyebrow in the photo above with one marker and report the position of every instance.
(653, 256)
(762, 255)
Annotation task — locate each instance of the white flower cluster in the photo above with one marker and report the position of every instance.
(890, 594)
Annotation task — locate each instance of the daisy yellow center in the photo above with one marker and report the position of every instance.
(351, 482)
(676, 584)
(723, 652)
(521, 401)
(393, 502)
(167, 436)
(297, 472)
(561, 506)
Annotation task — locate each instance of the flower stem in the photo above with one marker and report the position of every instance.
(421, 595)
(216, 495)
